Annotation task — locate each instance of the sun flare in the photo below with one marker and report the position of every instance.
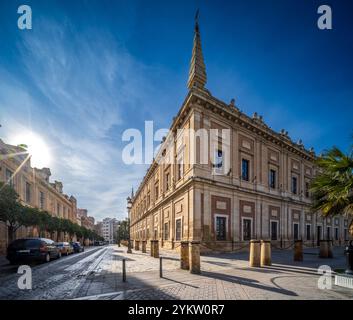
(37, 148)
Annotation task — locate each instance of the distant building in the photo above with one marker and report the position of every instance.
(84, 219)
(98, 228)
(34, 189)
(109, 229)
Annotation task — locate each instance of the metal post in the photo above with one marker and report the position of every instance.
(160, 268)
(129, 240)
(124, 271)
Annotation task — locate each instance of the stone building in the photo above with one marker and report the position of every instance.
(253, 184)
(34, 189)
(98, 228)
(84, 220)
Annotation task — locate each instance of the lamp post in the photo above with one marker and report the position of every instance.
(129, 206)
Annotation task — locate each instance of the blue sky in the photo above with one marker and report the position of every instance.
(88, 70)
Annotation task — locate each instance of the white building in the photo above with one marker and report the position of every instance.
(109, 228)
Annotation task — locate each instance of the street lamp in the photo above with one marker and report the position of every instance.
(129, 206)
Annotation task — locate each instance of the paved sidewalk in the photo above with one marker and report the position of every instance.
(224, 276)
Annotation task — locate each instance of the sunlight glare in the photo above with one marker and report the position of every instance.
(37, 148)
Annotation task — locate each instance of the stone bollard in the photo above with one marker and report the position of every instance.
(255, 253)
(184, 255)
(325, 249)
(265, 259)
(194, 257)
(137, 245)
(155, 249)
(144, 246)
(152, 246)
(298, 250)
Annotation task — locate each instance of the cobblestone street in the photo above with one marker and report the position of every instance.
(97, 274)
(224, 276)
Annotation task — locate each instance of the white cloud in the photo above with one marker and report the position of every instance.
(77, 90)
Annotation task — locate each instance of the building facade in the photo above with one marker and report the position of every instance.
(222, 178)
(84, 220)
(34, 189)
(109, 229)
(98, 228)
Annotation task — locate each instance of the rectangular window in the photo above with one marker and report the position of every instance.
(9, 177)
(328, 233)
(148, 199)
(58, 209)
(246, 229)
(155, 234)
(156, 191)
(178, 230)
(167, 182)
(294, 185)
(307, 186)
(221, 228)
(308, 232)
(180, 167)
(245, 169)
(345, 234)
(272, 179)
(274, 230)
(41, 200)
(296, 231)
(318, 234)
(28, 192)
(218, 159)
(336, 234)
(166, 231)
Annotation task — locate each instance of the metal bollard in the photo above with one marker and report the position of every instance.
(160, 267)
(349, 255)
(124, 271)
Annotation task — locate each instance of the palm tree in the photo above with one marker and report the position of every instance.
(332, 188)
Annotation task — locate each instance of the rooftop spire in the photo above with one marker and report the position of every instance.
(197, 72)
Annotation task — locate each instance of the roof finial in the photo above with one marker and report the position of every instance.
(197, 72)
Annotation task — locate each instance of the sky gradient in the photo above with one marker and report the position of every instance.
(88, 70)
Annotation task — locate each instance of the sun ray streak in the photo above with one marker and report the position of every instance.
(11, 155)
(17, 170)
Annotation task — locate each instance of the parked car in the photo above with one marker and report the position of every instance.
(65, 248)
(77, 247)
(32, 249)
